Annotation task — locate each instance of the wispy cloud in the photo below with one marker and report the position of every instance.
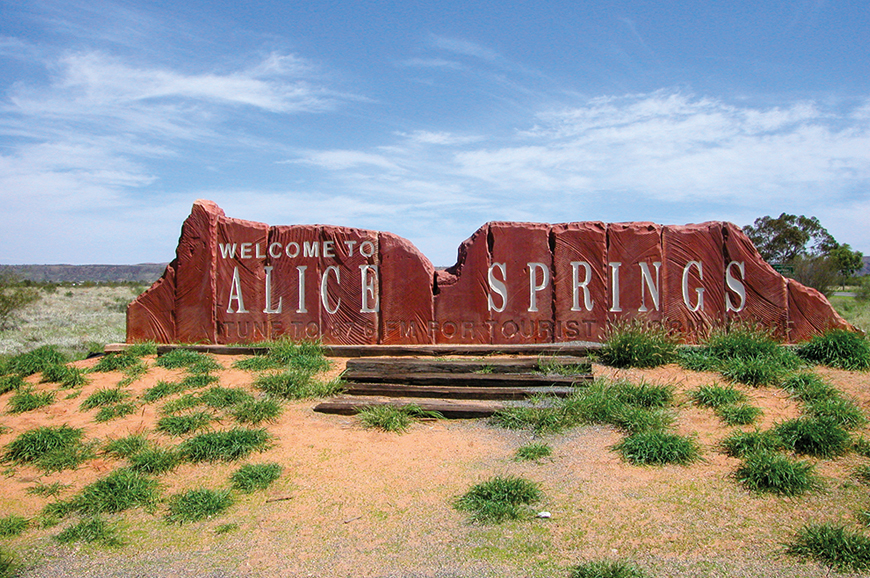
(463, 47)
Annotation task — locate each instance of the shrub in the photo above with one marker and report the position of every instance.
(154, 461)
(809, 387)
(221, 397)
(607, 569)
(111, 412)
(231, 445)
(120, 490)
(126, 446)
(195, 505)
(296, 384)
(28, 400)
(499, 499)
(94, 529)
(251, 477)
(843, 412)
(35, 361)
(104, 397)
(838, 348)
(179, 425)
(775, 473)
(658, 448)
(12, 525)
(533, 452)
(115, 362)
(716, 396)
(814, 436)
(832, 545)
(256, 411)
(393, 418)
(739, 414)
(638, 344)
(14, 296)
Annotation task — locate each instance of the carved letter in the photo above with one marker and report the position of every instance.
(497, 286)
(700, 290)
(534, 287)
(324, 298)
(268, 308)
(614, 286)
(587, 296)
(646, 279)
(736, 285)
(369, 288)
(301, 269)
(236, 293)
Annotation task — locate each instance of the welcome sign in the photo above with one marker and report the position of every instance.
(240, 281)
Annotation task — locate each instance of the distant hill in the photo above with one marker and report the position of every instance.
(866, 269)
(141, 273)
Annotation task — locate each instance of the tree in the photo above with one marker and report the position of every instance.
(779, 240)
(13, 297)
(847, 261)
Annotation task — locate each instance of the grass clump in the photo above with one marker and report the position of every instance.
(184, 402)
(392, 418)
(222, 397)
(832, 545)
(754, 371)
(29, 400)
(296, 384)
(35, 361)
(644, 394)
(154, 461)
(111, 412)
(93, 529)
(739, 414)
(552, 366)
(7, 564)
(141, 349)
(198, 381)
(862, 473)
(231, 445)
(257, 363)
(820, 437)
(716, 396)
(256, 411)
(195, 505)
(186, 359)
(658, 448)
(809, 387)
(306, 356)
(11, 382)
(251, 477)
(533, 452)
(638, 344)
(65, 375)
(179, 425)
(501, 498)
(843, 412)
(115, 362)
(607, 569)
(104, 397)
(50, 448)
(126, 446)
(161, 390)
(777, 474)
(838, 348)
(13, 525)
(741, 444)
(120, 490)
(51, 490)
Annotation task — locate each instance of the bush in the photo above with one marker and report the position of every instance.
(775, 473)
(638, 344)
(251, 477)
(499, 499)
(814, 436)
(231, 445)
(607, 569)
(832, 545)
(195, 505)
(14, 297)
(533, 452)
(838, 348)
(716, 396)
(658, 448)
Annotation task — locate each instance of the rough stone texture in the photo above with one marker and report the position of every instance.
(580, 243)
(354, 286)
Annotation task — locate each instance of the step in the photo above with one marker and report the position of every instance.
(448, 408)
(468, 379)
(443, 391)
(390, 365)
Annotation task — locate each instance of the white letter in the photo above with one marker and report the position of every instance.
(614, 285)
(735, 285)
(311, 249)
(295, 246)
(533, 286)
(228, 250)
(587, 296)
(369, 289)
(236, 293)
(268, 308)
(362, 249)
(350, 245)
(301, 269)
(245, 252)
(497, 286)
(259, 254)
(328, 247)
(646, 279)
(272, 250)
(699, 290)
(324, 298)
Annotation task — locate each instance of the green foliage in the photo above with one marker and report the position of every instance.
(862, 473)
(257, 363)
(393, 418)
(821, 437)
(154, 461)
(809, 387)
(306, 356)
(222, 397)
(28, 400)
(35, 361)
(256, 411)
(126, 446)
(226, 528)
(753, 370)
(658, 448)
(117, 410)
(115, 362)
(184, 402)
(542, 419)
(120, 490)
(161, 390)
(251, 477)
(141, 349)
(194, 361)
(739, 414)
(844, 412)
(12, 525)
(533, 452)
(296, 384)
(552, 366)
(103, 397)
(14, 297)
(195, 505)
(833, 546)
(607, 569)
(133, 373)
(89, 530)
(838, 348)
(777, 474)
(846, 261)
(861, 447)
(10, 382)
(638, 344)
(179, 425)
(51, 490)
(198, 381)
(644, 394)
(781, 239)
(231, 445)
(501, 498)
(716, 396)
(65, 375)
(33, 445)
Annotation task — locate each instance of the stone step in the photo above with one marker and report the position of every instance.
(443, 391)
(526, 364)
(448, 408)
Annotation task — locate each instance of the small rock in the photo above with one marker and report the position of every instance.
(544, 515)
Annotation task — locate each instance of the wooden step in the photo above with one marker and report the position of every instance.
(391, 365)
(443, 391)
(448, 408)
(468, 379)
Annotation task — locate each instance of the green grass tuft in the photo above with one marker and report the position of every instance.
(67, 376)
(141, 349)
(35, 361)
(256, 411)
(126, 446)
(251, 477)
(154, 461)
(305, 356)
(658, 448)
(820, 437)
(809, 387)
(501, 498)
(716, 396)
(12, 525)
(179, 425)
(844, 412)
(296, 384)
(199, 504)
(638, 344)
(644, 394)
(29, 400)
(838, 348)
(862, 473)
(754, 371)
(198, 381)
(257, 363)
(392, 418)
(104, 397)
(832, 545)
(111, 412)
(739, 414)
(120, 490)
(550, 366)
(51, 448)
(184, 402)
(51, 490)
(222, 397)
(777, 474)
(11, 382)
(115, 362)
(186, 359)
(161, 390)
(89, 530)
(533, 452)
(607, 569)
(8, 567)
(231, 445)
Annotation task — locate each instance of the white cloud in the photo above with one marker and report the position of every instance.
(463, 47)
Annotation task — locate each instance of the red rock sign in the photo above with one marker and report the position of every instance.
(240, 281)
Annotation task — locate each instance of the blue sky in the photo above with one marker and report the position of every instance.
(426, 119)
